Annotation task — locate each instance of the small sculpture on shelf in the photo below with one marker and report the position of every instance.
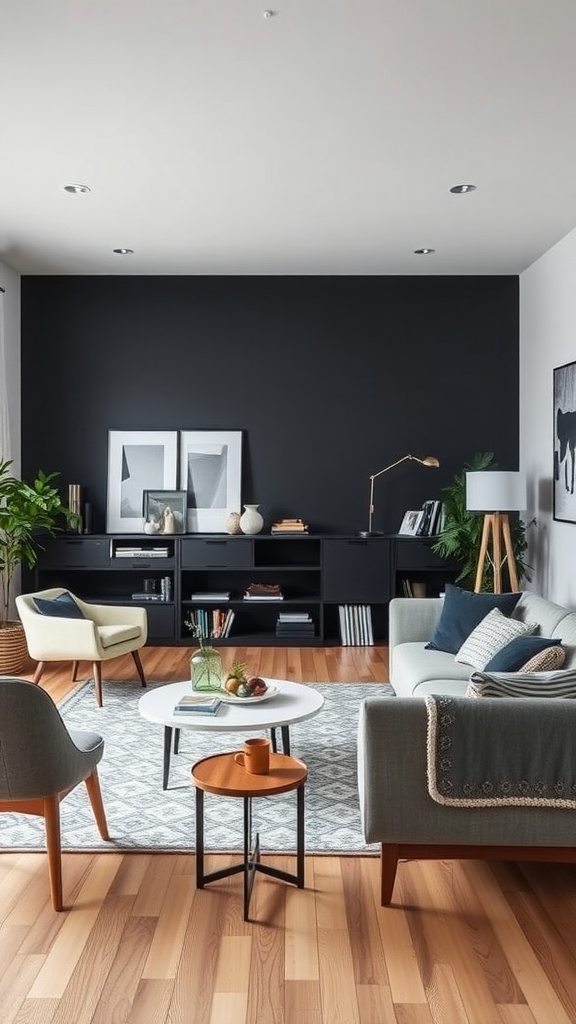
(167, 521)
(151, 526)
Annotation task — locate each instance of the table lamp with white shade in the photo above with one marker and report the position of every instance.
(496, 492)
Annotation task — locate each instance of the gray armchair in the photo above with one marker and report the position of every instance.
(41, 762)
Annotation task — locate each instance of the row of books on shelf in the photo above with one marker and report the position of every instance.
(295, 624)
(432, 521)
(140, 551)
(413, 588)
(356, 625)
(213, 622)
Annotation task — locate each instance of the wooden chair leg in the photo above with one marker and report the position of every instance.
(39, 670)
(74, 670)
(97, 670)
(138, 664)
(388, 864)
(53, 848)
(95, 795)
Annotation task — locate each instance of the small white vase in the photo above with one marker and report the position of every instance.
(251, 521)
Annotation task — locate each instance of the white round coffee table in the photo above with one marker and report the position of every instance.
(295, 702)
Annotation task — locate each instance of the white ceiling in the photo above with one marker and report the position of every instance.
(323, 140)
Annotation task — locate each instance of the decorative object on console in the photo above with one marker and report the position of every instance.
(564, 443)
(137, 460)
(210, 473)
(429, 461)
(233, 524)
(496, 493)
(251, 521)
(151, 526)
(75, 506)
(165, 508)
(289, 526)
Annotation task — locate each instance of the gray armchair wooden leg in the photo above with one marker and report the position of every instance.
(138, 664)
(97, 669)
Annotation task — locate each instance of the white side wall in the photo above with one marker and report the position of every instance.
(10, 281)
(547, 340)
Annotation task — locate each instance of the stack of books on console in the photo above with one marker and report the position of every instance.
(263, 592)
(289, 526)
(198, 704)
(156, 551)
(295, 624)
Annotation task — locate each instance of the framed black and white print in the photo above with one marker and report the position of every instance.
(211, 475)
(158, 504)
(138, 460)
(564, 433)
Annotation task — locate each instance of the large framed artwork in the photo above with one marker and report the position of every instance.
(211, 475)
(138, 460)
(564, 442)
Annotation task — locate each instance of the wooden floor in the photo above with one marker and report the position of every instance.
(463, 943)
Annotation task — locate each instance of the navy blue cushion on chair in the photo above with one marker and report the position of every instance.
(463, 610)
(518, 652)
(64, 607)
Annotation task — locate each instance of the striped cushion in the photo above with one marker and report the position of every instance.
(490, 636)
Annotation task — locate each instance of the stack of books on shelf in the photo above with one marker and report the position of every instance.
(432, 521)
(295, 624)
(213, 622)
(210, 595)
(155, 551)
(289, 526)
(413, 588)
(263, 592)
(356, 625)
(198, 704)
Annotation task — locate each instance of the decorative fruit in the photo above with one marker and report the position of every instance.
(257, 686)
(244, 690)
(236, 675)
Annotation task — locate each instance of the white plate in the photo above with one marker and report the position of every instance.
(231, 698)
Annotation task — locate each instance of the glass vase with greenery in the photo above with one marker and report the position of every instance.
(462, 531)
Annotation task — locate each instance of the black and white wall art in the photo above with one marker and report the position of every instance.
(137, 460)
(210, 473)
(565, 442)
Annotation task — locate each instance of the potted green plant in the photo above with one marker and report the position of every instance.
(26, 512)
(462, 531)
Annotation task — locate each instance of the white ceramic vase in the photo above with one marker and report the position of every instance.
(251, 521)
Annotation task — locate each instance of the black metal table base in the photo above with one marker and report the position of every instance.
(168, 730)
(251, 863)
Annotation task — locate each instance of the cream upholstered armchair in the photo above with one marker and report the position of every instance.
(61, 627)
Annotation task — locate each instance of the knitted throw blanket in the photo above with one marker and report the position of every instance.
(501, 752)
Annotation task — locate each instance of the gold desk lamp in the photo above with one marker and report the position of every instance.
(429, 461)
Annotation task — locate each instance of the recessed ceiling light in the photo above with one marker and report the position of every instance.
(269, 14)
(75, 189)
(423, 252)
(461, 189)
(124, 252)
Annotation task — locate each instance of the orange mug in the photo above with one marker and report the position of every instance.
(255, 757)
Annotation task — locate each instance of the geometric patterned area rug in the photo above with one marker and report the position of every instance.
(142, 817)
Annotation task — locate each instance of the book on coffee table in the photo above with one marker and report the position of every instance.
(198, 704)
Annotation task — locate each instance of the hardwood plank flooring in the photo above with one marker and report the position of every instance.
(463, 943)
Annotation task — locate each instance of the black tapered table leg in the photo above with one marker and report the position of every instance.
(167, 750)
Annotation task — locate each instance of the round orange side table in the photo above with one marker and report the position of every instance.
(222, 776)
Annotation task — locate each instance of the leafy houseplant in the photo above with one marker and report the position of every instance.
(462, 534)
(25, 510)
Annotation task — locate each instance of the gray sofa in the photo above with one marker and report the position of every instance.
(398, 812)
(415, 671)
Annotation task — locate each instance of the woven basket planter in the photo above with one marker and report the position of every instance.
(13, 649)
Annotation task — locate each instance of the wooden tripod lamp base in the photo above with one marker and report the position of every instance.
(496, 532)
(487, 490)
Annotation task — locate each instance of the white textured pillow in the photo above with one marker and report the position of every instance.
(489, 637)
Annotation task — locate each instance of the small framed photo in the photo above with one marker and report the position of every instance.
(164, 504)
(411, 522)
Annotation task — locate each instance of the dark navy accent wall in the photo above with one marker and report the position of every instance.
(329, 378)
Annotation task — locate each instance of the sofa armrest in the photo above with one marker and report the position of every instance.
(411, 620)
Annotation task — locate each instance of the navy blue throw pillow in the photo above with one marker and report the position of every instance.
(520, 650)
(461, 613)
(64, 607)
